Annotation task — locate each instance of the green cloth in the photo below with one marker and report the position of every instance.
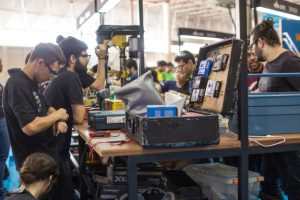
(168, 76)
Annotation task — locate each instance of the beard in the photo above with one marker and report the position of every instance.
(259, 54)
(79, 68)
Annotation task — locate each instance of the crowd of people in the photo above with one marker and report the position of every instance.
(42, 101)
(40, 104)
(167, 77)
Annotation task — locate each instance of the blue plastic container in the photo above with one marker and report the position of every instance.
(161, 111)
(274, 112)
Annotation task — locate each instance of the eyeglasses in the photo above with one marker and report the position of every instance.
(85, 56)
(251, 45)
(50, 69)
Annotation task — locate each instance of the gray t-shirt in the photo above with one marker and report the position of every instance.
(287, 62)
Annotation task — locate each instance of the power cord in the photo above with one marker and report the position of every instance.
(251, 138)
(267, 136)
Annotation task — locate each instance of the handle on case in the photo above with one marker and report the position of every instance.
(274, 75)
(131, 124)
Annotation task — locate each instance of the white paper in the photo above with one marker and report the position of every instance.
(174, 99)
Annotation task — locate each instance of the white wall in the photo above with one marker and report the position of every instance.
(155, 27)
(11, 57)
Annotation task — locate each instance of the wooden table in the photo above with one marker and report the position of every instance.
(134, 153)
(292, 142)
(132, 148)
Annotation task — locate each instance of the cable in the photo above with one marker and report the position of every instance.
(92, 146)
(268, 136)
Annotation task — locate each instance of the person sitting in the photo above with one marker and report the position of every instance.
(186, 59)
(160, 69)
(131, 70)
(254, 67)
(181, 84)
(38, 174)
(168, 73)
(155, 80)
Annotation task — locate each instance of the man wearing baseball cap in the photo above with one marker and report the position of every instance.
(32, 124)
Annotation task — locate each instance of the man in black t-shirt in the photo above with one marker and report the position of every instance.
(30, 121)
(65, 91)
(285, 165)
(88, 81)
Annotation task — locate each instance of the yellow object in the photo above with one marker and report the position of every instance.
(159, 76)
(114, 104)
(119, 40)
(90, 72)
(124, 74)
(89, 101)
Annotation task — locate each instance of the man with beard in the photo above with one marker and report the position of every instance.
(254, 67)
(285, 165)
(65, 91)
(88, 81)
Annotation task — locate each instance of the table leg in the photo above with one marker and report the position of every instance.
(132, 183)
(82, 169)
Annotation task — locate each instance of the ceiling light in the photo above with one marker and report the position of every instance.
(278, 13)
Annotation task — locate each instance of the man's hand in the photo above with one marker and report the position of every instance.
(62, 114)
(101, 51)
(59, 127)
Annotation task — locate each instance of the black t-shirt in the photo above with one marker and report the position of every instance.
(22, 103)
(287, 62)
(62, 92)
(171, 85)
(1, 107)
(24, 195)
(86, 80)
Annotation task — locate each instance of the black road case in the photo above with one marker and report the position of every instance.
(218, 67)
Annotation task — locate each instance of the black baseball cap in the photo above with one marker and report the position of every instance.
(49, 52)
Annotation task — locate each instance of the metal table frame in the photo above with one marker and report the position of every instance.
(242, 152)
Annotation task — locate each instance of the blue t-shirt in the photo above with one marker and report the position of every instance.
(131, 78)
(1, 107)
(171, 85)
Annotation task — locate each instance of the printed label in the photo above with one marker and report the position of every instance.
(115, 120)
